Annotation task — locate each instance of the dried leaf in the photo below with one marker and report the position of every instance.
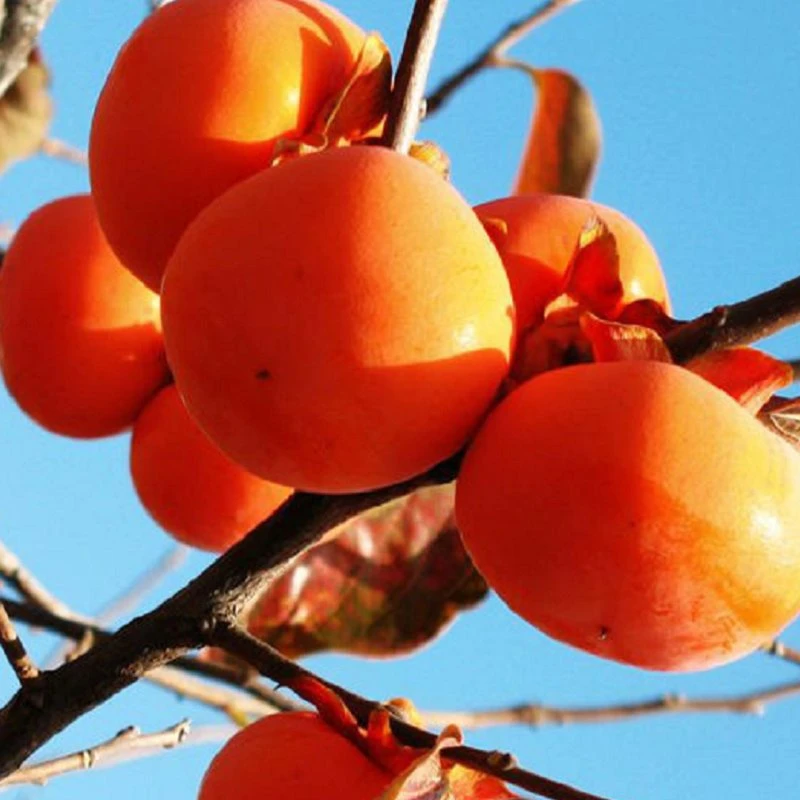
(385, 585)
(563, 147)
(430, 154)
(749, 376)
(592, 278)
(25, 112)
(650, 314)
(359, 108)
(783, 418)
(615, 341)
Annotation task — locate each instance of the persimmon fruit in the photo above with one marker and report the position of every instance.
(80, 338)
(180, 119)
(633, 510)
(292, 755)
(189, 487)
(338, 322)
(538, 237)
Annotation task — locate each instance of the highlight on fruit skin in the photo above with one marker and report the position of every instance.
(189, 487)
(292, 755)
(359, 330)
(536, 235)
(178, 123)
(80, 337)
(635, 511)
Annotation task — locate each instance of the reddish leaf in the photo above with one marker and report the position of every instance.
(749, 376)
(650, 314)
(25, 112)
(385, 585)
(615, 341)
(564, 143)
(592, 278)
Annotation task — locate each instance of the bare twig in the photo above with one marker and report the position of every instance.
(273, 665)
(492, 54)
(127, 744)
(785, 653)
(739, 323)
(24, 668)
(536, 715)
(13, 572)
(55, 148)
(6, 234)
(21, 25)
(406, 109)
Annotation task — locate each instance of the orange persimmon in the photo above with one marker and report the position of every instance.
(80, 338)
(338, 322)
(635, 511)
(190, 488)
(195, 102)
(536, 235)
(292, 755)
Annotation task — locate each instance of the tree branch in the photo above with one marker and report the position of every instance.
(739, 323)
(273, 665)
(406, 109)
(494, 51)
(21, 25)
(16, 655)
(56, 148)
(127, 744)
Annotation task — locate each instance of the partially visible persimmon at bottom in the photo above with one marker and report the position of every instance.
(635, 511)
(192, 489)
(80, 337)
(292, 756)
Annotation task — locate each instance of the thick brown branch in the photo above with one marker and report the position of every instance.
(493, 52)
(739, 323)
(184, 621)
(21, 25)
(15, 652)
(273, 665)
(406, 109)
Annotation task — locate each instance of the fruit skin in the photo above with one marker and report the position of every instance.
(542, 231)
(358, 331)
(192, 489)
(634, 510)
(291, 755)
(80, 338)
(179, 122)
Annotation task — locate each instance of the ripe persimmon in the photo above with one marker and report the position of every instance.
(292, 755)
(338, 322)
(195, 102)
(536, 235)
(80, 337)
(635, 511)
(189, 487)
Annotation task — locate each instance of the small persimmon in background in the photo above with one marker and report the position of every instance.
(80, 337)
(194, 491)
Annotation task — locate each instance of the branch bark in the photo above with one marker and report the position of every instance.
(16, 655)
(22, 23)
(407, 104)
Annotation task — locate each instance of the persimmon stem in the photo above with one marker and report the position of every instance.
(407, 104)
(492, 54)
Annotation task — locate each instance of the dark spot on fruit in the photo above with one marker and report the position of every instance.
(263, 375)
(603, 633)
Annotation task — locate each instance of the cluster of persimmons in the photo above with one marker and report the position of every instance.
(272, 302)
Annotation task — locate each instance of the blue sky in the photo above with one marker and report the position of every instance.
(698, 103)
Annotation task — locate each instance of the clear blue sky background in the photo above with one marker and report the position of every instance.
(699, 108)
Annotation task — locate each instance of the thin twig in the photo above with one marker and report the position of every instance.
(738, 323)
(55, 148)
(491, 55)
(21, 25)
(13, 572)
(783, 652)
(536, 715)
(288, 673)
(127, 744)
(406, 109)
(15, 652)
(6, 234)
